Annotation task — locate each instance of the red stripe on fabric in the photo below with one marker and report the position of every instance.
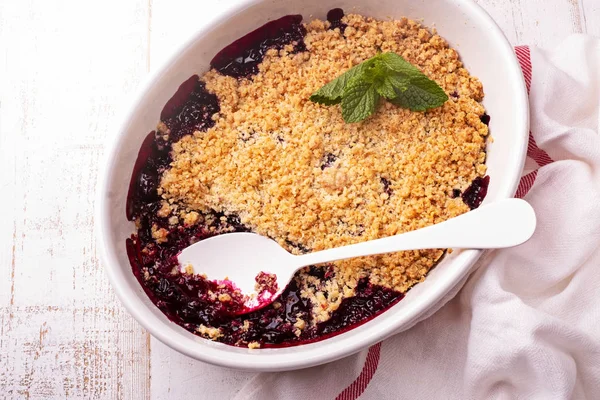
(526, 184)
(356, 388)
(539, 156)
(524, 57)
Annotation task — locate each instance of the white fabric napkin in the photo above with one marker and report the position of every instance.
(526, 324)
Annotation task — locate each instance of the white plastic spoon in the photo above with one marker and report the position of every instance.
(240, 257)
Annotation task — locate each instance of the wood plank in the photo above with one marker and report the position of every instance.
(65, 67)
(175, 376)
(506, 16)
(175, 21)
(536, 22)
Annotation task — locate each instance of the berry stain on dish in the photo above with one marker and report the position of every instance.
(301, 171)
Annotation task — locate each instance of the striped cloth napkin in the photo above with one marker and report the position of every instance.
(526, 325)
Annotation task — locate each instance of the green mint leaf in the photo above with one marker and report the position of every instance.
(388, 86)
(359, 100)
(377, 74)
(414, 90)
(385, 88)
(421, 94)
(332, 92)
(373, 72)
(398, 64)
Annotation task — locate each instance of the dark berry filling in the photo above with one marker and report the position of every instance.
(352, 310)
(473, 196)
(190, 109)
(241, 58)
(145, 176)
(335, 18)
(191, 301)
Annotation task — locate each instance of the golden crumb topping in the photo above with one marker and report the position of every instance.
(293, 170)
(212, 333)
(254, 345)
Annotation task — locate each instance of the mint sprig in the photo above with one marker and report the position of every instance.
(386, 75)
(332, 92)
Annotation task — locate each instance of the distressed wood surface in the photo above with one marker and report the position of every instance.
(66, 68)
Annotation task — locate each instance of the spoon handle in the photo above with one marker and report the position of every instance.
(504, 223)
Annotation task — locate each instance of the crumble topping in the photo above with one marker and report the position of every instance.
(294, 171)
(213, 333)
(254, 345)
(191, 218)
(160, 235)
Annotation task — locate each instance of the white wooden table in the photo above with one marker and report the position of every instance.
(66, 68)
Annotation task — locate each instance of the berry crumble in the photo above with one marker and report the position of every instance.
(242, 148)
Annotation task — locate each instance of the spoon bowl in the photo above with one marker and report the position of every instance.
(239, 260)
(260, 269)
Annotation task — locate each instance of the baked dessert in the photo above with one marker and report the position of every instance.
(242, 148)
